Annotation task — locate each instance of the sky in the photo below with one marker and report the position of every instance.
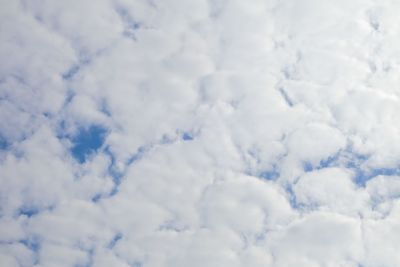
(149, 133)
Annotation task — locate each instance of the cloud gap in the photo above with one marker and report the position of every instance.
(28, 211)
(292, 197)
(72, 71)
(187, 136)
(32, 243)
(115, 240)
(87, 142)
(355, 163)
(130, 24)
(328, 162)
(117, 174)
(362, 177)
(4, 144)
(271, 175)
(286, 97)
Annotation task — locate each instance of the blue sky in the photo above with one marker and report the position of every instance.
(87, 142)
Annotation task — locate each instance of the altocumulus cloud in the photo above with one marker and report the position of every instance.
(199, 133)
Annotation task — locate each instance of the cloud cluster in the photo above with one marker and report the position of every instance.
(199, 133)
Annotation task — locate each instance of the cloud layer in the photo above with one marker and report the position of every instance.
(199, 133)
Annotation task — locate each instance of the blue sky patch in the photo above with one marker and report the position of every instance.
(97, 197)
(286, 97)
(70, 73)
(4, 144)
(362, 177)
(187, 137)
(292, 197)
(87, 142)
(130, 24)
(308, 167)
(324, 163)
(112, 169)
(31, 243)
(28, 211)
(114, 241)
(75, 68)
(270, 175)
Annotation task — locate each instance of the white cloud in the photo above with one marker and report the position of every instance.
(230, 133)
(318, 239)
(331, 189)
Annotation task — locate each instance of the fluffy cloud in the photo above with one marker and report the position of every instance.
(202, 133)
(330, 189)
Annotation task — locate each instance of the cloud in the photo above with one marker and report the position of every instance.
(319, 239)
(209, 133)
(330, 189)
